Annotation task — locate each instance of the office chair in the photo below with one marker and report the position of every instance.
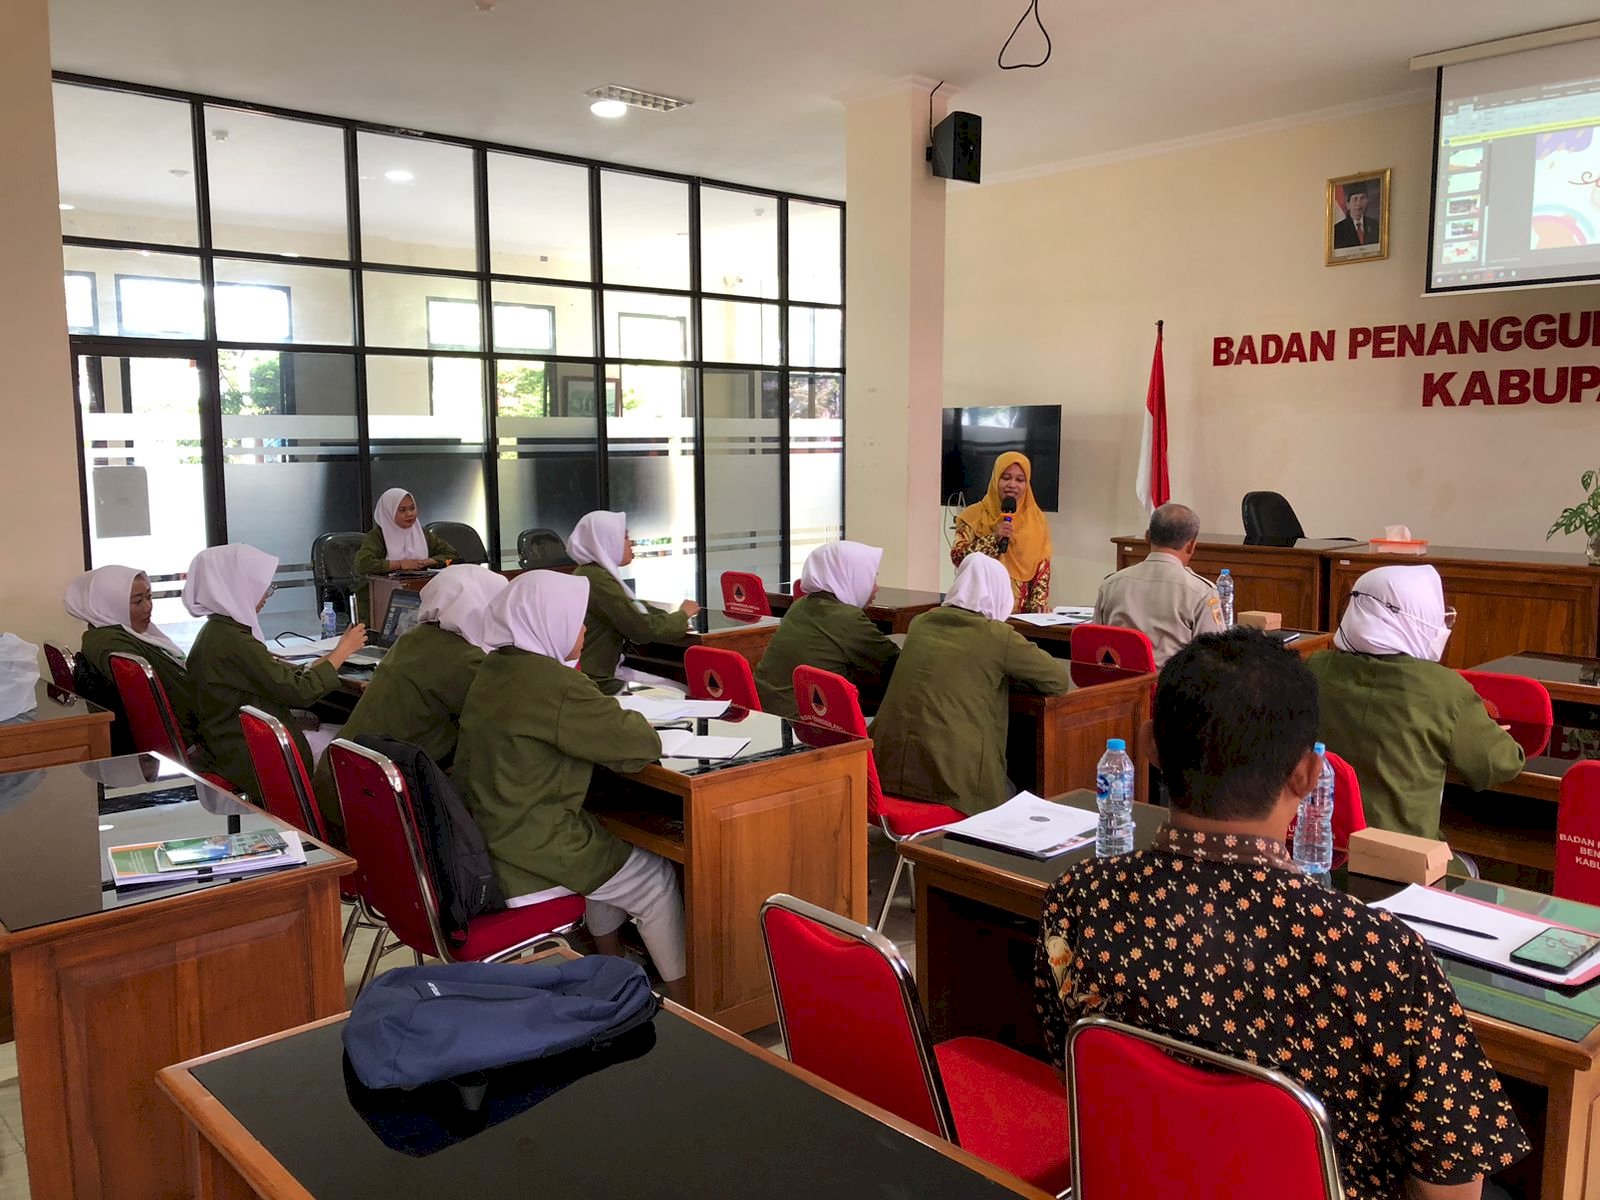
(463, 539)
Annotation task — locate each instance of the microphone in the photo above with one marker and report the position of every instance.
(1007, 506)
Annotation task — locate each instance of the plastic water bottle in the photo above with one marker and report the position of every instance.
(1225, 594)
(1313, 829)
(330, 620)
(1113, 785)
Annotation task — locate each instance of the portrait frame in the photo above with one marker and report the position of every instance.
(1339, 189)
(578, 396)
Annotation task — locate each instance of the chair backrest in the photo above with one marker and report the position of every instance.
(1108, 653)
(831, 702)
(797, 589)
(1516, 700)
(848, 1009)
(744, 595)
(1577, 833)
(463, 539)
(715, 674)
(1148, 1125)
(1349, 814)
(1269, 515)
(151, 722)
(63, 666)
(541, 548)
(282, 786)
(384, 837)
(333, 564)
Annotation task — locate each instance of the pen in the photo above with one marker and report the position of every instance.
(1477, 933)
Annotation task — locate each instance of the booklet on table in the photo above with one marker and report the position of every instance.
(1030, 825)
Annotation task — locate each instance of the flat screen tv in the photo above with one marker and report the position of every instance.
(975, 437)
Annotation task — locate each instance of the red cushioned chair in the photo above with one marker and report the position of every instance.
(1578, 834)
(397, 879)
(715, 674)
(849, 1012)
(796, 589)
(1349, 814)
(832, 702)
(1148, 1125)
(744, 595)
(63, 667)
(1520, 702)
(150, 721)
(1109, 653)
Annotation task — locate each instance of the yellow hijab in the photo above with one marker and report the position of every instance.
(1030, 531)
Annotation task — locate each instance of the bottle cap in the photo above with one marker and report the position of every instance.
(1225, 570)
(1116, 744)
(1320, 748)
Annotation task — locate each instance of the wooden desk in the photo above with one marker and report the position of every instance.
(746, 636)
(696, 1110)
(1054, 742)
(1057, 639)
(61, 727)
(111, 985)
(784, 816)
(1287, 579)
(1569, 678)
(892, 609)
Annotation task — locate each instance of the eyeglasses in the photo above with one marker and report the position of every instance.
(1449, 613)
(271, 590)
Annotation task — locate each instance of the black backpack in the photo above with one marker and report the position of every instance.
(457, 854)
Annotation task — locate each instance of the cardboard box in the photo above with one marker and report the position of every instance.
(1261, 620)
(1398, 856)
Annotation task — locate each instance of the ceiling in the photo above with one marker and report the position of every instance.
(768, 77)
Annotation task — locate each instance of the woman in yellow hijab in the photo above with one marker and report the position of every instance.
(981, 526)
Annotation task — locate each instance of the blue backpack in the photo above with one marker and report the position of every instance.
(418, 1025)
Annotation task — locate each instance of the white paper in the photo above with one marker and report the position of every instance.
(1507, 929)
(1029, 824)
(680, 743)
(657, 709)
(292, 854)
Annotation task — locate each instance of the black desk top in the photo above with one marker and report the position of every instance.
(677, 1113)
(56, 825)
(51, 703)
(1549, 668)
(1239, 539)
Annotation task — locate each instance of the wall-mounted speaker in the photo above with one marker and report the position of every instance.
(957, 149)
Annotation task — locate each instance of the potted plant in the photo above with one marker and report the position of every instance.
(1584, 516)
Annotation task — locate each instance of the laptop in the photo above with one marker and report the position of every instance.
(401, 615)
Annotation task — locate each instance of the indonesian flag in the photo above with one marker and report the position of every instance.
(1152, 486)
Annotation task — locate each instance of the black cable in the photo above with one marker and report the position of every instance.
(936, 87)
(1033, 7)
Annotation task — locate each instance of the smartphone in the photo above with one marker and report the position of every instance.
(1556, 949)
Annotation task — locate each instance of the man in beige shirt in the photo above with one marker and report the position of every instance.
(1161, 597)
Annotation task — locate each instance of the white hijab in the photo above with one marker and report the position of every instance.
(539, 611)
(399, 543)
(598, 538)
(982, 586)
(101, 598)
(458, 599)
(847, 571)
(229, 581)
(1395, 610)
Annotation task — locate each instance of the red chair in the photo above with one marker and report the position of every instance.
(849, 1012)
(831, 702)
(1148, 1125)
(1109, 653)
(397, 879)
(720, 675)
(150, 721)
(1520, 702)
(796, 589)
(1578, 833)
(63, 666)
(744, 595)
(1349, 814)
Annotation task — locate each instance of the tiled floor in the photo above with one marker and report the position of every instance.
(13, 1168)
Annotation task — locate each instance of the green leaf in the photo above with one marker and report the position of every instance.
(1588, 480)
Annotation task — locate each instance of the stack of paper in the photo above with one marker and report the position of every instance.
(659, 710)
(1444, 920)
(146, 863)
(1030, 825)
(1061, 616)
(680, 743)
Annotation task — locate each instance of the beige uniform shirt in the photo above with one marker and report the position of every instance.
(1162, 599)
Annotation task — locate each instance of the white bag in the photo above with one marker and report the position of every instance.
(19, 675)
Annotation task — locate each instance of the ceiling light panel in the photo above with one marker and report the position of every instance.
(634, 98)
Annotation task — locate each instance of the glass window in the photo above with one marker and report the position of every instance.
(152, 307)
(816, 337)
(278, 302)
(416, 202)
(743, 510)
(549, 467)
(816, 464)
(538, 217)
(399, 313)
(815, 252)
(424, 402)
(738, 243)
(644, 325)
(742, 333)
(81, 310)
(454, 325)
(650, 452)
(276, 185)
(125, 166)
(103, 269)
(645, 230)
(571, 317)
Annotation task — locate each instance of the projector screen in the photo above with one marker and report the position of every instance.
(1516, 178)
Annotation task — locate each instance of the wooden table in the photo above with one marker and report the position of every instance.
(784, 816)
(1569, 678)
(111, 985)
(1290, 580)
(61, 727)
(892, 609)
(697, 1111)
(746, 636)
(1057, 639)
(1054, 742)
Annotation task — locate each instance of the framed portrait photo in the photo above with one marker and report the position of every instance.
(1358, 218)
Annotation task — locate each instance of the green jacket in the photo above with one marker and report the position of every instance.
(613, 619)
(532, 733)
(373, 559)
(100, 643)
(416, 694)
(822, 631)
(1400, 722)
(941, 732)
(230, 669)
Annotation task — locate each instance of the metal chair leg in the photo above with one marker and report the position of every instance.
(373, 957)
(417, 954)
(894, 883)
(350, 928)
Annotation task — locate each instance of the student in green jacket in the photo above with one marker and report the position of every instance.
(419, 689)
(116, 603)
(396, 542)
(826, 628)
(1394, 713)
(601, 546)
(941, 732)
(532, 733)
(232, 667)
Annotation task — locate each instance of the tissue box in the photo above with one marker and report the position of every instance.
(1398, 856)
(1260, 620)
